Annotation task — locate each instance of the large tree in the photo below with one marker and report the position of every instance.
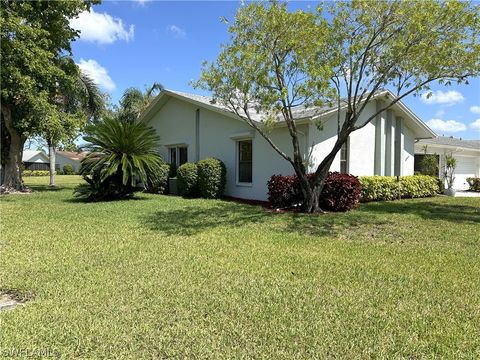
(135, 101)
(344, 55)
(78, 101)
(34, 35)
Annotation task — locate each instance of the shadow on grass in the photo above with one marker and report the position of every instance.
(75, 200)
(426, 210)
(193, 220)
(43, 188)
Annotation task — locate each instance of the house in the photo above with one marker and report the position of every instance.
(193, 127)
(466, 152)
(35, 160)
(69, 157)
(38, 160)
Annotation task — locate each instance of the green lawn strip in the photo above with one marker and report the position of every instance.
(165, 276)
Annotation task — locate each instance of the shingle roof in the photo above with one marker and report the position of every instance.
(300, 112)
(451, 141)
(73, 155)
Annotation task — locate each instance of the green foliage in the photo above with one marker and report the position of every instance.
(135, 101)
(123, 154)
(187, 179)
(429, 165)
(35, 173)
(159, 183)
(375, 188)
(68, 169)
(474, 183)
(211, 178)
(449, 172)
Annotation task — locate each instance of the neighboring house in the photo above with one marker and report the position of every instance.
(193, 127)
(69, 157)
(35, 160)
(467, 153)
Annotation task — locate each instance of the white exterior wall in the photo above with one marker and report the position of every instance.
(61, 160)
(38, 158)
(218, 136)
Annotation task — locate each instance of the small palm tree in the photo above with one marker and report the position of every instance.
(123, 155)
(134, 102)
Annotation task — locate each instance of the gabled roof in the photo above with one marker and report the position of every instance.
(72, 155)
(450, 141)
(30, 154)
(299, 113)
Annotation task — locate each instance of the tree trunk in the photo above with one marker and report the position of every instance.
(11, 168)
(51, 158)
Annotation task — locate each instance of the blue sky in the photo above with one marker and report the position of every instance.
(136, 43)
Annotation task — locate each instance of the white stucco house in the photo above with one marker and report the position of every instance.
(466, 152)
(193, 127)
(68, 157)
(35, 160)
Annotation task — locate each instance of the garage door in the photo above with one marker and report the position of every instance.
(466, 167)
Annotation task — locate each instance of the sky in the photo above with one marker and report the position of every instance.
(136, 43)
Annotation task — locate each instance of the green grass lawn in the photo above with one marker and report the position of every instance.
(166, 277)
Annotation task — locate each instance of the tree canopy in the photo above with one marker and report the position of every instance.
(344, 53)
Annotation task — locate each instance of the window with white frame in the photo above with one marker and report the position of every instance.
(244, 162)
(178, 155)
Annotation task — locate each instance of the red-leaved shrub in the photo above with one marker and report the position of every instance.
(341, 192)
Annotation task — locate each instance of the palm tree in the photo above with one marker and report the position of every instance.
(123, 154)
(134, 102)
(79, 102)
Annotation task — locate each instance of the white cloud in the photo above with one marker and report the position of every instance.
(101, 28)
(475, 125)
(142, 2)
(443, 98)
(447, 126)
(98, 73)
(440, 113)
(475, 109)
(177, 31)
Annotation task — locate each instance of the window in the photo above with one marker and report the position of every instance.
(245, 161)
(178, 155)
(344, 157)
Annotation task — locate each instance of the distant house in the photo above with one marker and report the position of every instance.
(69, 157)
(467, 153)
(193, 127)
(35, 160)
(38, 160)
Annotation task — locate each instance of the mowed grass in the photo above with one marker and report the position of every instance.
(166, 277)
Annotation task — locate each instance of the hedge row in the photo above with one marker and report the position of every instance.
(341, 192)
(206, 178)
(375, 188)
(36, 173)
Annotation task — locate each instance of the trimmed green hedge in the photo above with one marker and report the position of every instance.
(158, 182)
(36, 173)
(375, 188)
(211, 178)
(187, 179)
(68, 169)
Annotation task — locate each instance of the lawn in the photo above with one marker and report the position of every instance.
(166, 277)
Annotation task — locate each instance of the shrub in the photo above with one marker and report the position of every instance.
(68, 169)
(283, 191)
(98, 188)
(211, 178)
(375, 188)
(341, 192)
(187, 179)
(36, 173)
(474, 183)
(158, 180)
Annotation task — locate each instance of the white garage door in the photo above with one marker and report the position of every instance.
(466, 167)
